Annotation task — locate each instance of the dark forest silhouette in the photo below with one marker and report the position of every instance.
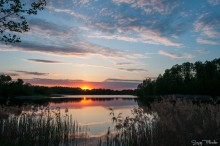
(189, 78)
(10, 89)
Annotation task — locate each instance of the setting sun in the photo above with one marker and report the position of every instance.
(86, 88)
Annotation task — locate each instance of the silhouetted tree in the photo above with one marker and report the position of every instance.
(5, 82)
(147, 87)
(20, 82)
(5, 79)
(188, 78)
(12, 18)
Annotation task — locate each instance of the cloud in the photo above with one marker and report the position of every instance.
(64, 46)
(32, 73)
(159, 33)
(42, 29)
(203, 51)
(92, 65)
(132, 69)
(157, 22)
(124, 63)
(206, 29)
(52, 82)
(119, 85)
(121, 80)
(140, 34)
(115, 37)
(83, 1)
(47, 27)
(73, 49)
(116, 24)
(208, 24)
(44, 61)
(10, 74)
(176, 55)
(205, 41)
(130, 64)
(214, 2)
(154, 37)
(69, 12)
(151, 6)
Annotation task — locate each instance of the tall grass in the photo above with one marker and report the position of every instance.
(134, 130)
(182, 121)
(41, 126)
(167, 122)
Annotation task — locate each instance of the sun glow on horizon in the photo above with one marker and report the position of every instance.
(86, 87)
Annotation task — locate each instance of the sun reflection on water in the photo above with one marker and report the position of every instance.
(86, 101)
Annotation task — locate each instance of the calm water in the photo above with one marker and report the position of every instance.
(180, 121)
(93, 110)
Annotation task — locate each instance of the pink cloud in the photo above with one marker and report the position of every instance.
(205, 41)
(176, 55)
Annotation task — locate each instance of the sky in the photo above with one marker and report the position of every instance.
(112, 44)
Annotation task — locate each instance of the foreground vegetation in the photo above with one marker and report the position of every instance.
(131, 131)
(189, 78)
(166, 122)
(41, 127)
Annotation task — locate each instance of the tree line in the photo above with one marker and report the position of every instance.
(10, 88)
(188, 78)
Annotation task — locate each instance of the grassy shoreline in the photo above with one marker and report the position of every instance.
(41, 126)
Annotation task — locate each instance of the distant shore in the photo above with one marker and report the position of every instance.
(64, 97)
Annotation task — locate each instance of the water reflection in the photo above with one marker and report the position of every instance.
(90, 111)
(85, 101)
(88, 101)
(94, 112)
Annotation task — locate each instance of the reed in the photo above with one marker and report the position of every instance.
(132, 130)
(166, 122)
(41, 126)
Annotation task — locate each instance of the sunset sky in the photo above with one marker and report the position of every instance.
(112, 43)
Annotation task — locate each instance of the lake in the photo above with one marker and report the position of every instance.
(93, 110)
